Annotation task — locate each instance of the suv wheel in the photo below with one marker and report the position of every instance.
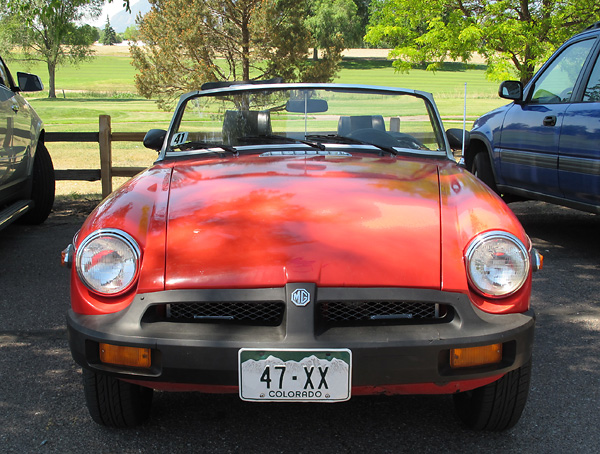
(115, 403)
(42, 190)
(482, 169)
(497, 406)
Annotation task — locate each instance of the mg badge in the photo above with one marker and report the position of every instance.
(300, 297)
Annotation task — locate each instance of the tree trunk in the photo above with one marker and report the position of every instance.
(526, 68)
(246, 46)
(51, 79)
(527, 72)
(315, 53)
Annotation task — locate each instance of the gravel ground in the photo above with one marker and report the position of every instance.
(42, 408)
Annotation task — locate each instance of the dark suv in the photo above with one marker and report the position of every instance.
(26, 171)
(546, 144)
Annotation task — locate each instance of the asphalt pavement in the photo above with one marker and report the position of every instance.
(42, 407)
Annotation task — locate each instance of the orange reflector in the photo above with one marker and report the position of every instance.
(125, 356)
(475, 356)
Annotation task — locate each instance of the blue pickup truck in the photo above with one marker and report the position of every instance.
(545, 145)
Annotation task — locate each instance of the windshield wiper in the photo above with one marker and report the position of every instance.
(350, 140)
(282, 139)
(205, 146)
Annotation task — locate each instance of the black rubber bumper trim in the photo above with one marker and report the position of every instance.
(207, 354)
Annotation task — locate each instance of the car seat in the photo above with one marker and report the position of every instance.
(238, 124)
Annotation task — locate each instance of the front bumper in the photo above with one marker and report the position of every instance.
(387, 355)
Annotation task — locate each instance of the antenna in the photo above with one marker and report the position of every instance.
(464, 136)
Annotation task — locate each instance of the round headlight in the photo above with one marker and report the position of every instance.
(107, 261)
(497, 264)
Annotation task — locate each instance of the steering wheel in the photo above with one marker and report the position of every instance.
(374, 136)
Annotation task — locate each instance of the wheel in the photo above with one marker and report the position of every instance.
(42, 190)
(482, 169)
(497, 406)
(115, 403)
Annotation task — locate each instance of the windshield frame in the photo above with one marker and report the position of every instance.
(237, 89)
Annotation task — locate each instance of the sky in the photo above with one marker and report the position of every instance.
(110, 9)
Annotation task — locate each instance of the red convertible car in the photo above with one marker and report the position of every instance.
(303, 242)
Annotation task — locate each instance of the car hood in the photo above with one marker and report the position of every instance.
(264, 222)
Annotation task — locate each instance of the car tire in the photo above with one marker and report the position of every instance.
(482, 169)
(115, 403)
(497, 406)
(42, 189)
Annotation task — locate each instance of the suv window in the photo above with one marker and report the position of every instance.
(3, 74)
(556, 83)
(592, 89)
(5, 89)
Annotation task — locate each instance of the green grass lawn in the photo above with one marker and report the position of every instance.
(105, 85)
(102, 74)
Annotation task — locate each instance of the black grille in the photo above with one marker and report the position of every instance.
(370, 311)
(254, 313)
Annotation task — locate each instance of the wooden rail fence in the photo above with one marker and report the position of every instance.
(104, 137)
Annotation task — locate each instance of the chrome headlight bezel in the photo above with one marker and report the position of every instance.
(130, 265)
(477, 270)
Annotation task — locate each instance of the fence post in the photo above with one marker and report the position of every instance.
(104, 138)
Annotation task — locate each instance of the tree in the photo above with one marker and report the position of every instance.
(33, 8)
(93, 31)
(514, 36)
(109, 36)
(51, 34)
(362, 10)
(189, 42)
(131, 33)
(334, 26)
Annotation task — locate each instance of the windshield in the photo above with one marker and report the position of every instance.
(293, 118)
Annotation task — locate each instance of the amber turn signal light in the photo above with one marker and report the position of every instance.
(66, 256)
(537, 260)
(125, 356)
(475, 356)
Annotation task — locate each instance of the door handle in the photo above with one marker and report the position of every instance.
(550, 120)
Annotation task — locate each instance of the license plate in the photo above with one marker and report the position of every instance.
(295, 375)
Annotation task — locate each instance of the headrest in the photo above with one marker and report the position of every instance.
(347, 124)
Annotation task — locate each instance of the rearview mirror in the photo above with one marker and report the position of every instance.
(306, 105)
(455, 138)
(154, 139)
(29, 82)
(511, 89)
